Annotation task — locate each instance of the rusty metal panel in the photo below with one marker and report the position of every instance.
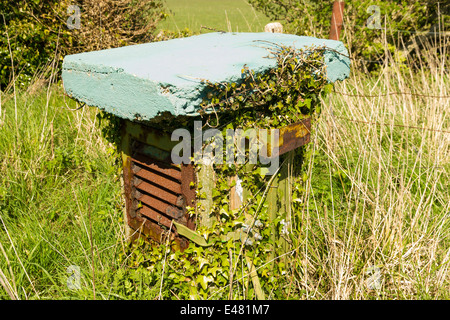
(155, 216)
(149, 188)
(290, 137)
(157, 192)
(294, 136)
(161, 206)
(188, 191)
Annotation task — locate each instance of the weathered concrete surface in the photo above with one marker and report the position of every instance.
(138, 82)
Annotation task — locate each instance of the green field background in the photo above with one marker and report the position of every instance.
(230, 15)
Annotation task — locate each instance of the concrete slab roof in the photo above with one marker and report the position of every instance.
(141, 81)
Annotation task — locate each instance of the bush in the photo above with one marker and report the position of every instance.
(38, 32)
(401, 19)
(114, 23)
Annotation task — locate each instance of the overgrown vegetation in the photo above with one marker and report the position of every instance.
(60, 198)
(282, 96)
(364, 25)
(279, 97)
(370, 193)
(36, 36)
(371, 209)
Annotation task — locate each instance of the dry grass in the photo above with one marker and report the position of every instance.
(394, 209)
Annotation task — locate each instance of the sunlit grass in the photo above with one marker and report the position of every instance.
(58, 180)
(230, 16)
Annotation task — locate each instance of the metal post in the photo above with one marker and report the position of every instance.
(337, 19)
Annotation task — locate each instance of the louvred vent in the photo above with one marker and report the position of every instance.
(160, 190)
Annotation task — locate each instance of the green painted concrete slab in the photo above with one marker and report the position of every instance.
(141, 81)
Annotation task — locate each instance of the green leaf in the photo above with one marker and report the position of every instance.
(202, 262)
(204, 280)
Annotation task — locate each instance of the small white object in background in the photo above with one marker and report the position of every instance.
(274, 27)
(239, 190)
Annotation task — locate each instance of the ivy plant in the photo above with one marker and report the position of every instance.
(281, 96)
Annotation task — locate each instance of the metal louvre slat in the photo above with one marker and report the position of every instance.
(142, 161)
(160, 206)
(156, 191)
(155, 216)
(159, 180)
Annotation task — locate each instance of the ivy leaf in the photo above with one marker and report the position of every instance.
(308, 103)
(202, 261)
(224, 212)
(193, 294)
(204, 280)
(213, 271)
(216, 193)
